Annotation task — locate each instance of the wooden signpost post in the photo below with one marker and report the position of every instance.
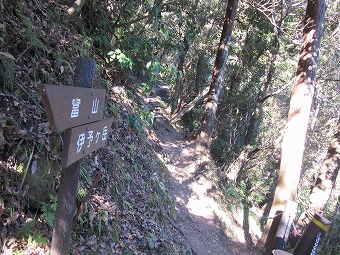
(79, 110)
(284, 227)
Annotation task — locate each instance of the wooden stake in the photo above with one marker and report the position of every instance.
(67, 194)
(89, 193)
(65, 207)
(285, 225)
(269, 244)
(318, 225)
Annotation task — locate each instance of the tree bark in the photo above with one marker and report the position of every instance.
(199, 79)
(177, 116)
(76, 7)
(208, 120)
(180, 73)
(236, 169)
(298, 116)
(325, 182)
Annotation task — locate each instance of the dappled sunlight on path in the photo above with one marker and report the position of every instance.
(197, 213)
(198, 216)
(196, 210)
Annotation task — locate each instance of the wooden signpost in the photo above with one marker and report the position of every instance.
(81, 141)
(79, 110)
(67, 107)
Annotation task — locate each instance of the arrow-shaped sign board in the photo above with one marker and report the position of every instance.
(81, 141)
(68, 107)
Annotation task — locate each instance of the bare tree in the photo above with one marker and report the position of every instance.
(298, 116)
(208, 120)
(321, 192)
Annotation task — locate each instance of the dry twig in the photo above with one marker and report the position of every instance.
(26, 169)
(82, 205)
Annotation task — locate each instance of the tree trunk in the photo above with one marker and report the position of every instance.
(298, 116)
(236, 169)
(177, 116)
(208, 120)
(199, 79)
(180, 74)
(260, 99)
(325, 182)
(76, 7)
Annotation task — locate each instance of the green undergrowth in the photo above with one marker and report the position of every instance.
(131, 203)
(127, 211)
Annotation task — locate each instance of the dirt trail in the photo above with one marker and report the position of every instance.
(198, 215)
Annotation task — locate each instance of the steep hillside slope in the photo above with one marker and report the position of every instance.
(128, 209)
(137, 207)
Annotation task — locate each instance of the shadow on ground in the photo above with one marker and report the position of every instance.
(207, 228)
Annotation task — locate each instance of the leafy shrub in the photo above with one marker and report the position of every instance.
(49, 210)
(118, 55)
(134, 121)
(141, 119)
(32, 36)
(7, 68)
(34, 237)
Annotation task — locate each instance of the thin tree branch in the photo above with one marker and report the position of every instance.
(82, 205)
(261, 100)
(176, 117)
(26, 169)
(142, 17)
(264, 9)
(132, 21)
(330, 80)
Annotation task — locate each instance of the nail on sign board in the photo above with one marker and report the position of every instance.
(81, 141)
(68, 107)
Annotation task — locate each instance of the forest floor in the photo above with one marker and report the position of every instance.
(130, 211)
(206, 227)
(124, 214)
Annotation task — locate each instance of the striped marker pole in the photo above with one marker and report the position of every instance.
(317, 228)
